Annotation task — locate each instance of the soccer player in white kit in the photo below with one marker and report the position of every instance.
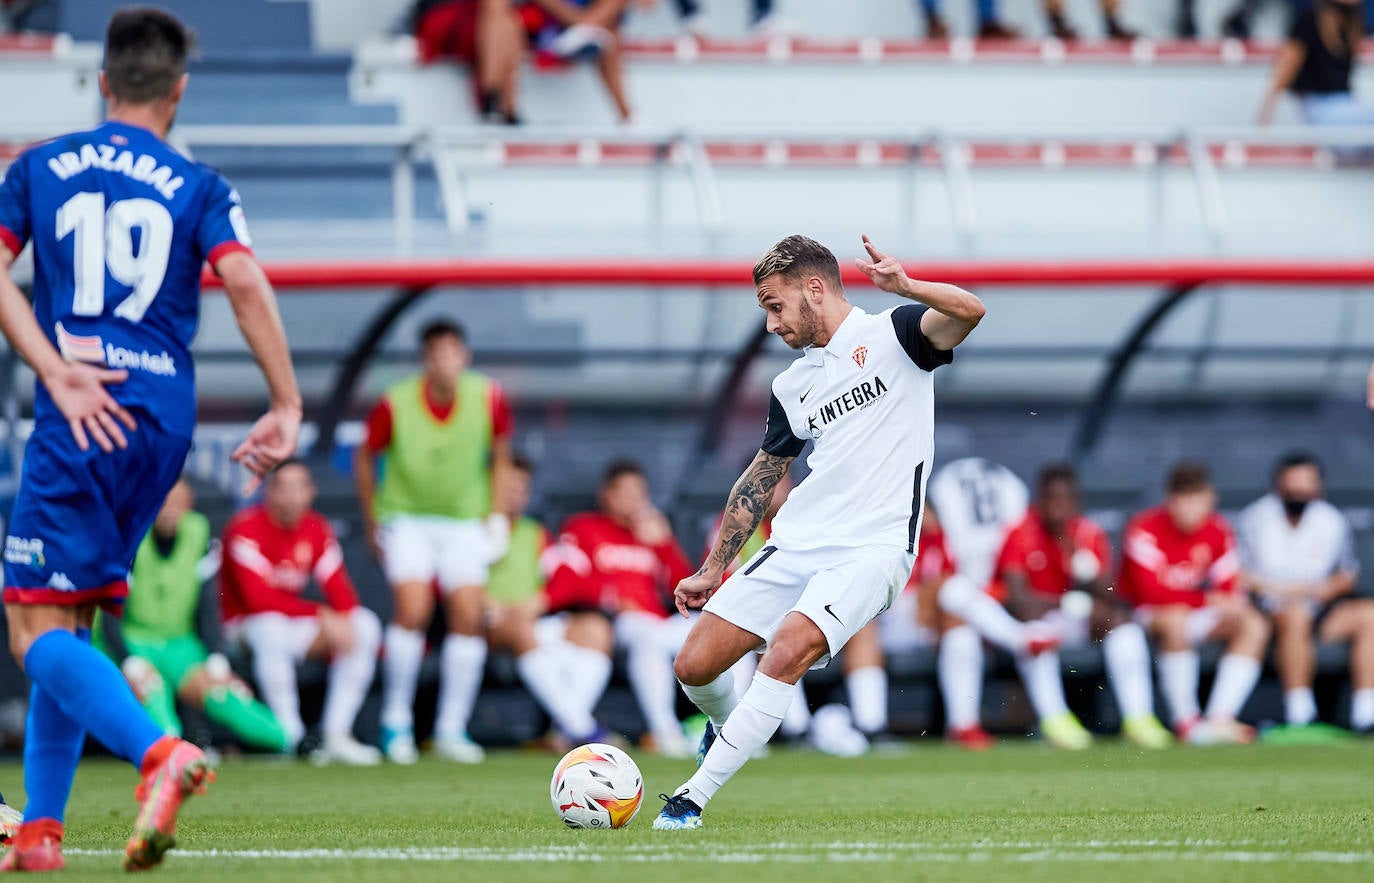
(844, 543)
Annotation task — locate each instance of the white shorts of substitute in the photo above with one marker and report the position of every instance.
(294, 634)
(1202, 621)
(428, 548)
(841, 590)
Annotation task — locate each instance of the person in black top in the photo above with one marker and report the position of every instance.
(1316, 62)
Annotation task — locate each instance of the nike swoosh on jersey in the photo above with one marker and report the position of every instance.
(807, 393)
(832, 613)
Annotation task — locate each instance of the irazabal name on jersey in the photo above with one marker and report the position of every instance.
(142, 168)
(856, 399)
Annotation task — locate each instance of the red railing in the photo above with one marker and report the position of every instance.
(508, 272)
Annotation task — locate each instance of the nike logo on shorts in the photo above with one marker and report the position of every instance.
(832, 613)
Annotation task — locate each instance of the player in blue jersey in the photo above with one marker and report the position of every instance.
(121, 225)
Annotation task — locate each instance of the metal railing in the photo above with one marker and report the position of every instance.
(457, 154)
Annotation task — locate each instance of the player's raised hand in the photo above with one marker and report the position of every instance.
(883, 271)
(271, 440)
(92, 413)
(693, 592)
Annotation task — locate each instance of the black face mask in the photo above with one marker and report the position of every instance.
(1294, 506)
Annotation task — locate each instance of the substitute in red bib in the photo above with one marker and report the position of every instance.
(844, 543)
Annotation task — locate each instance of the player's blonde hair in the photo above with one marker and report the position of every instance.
(796, 257)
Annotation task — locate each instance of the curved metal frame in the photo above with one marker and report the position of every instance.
(1108, 392)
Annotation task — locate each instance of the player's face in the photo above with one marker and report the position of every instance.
(179, 501)
(290, 494)
(1059, 502)
(513, 491)
(789, 310)
(625, 498)
(1190, 509)
(445, 358)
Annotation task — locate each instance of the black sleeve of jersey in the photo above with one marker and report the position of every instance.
(906, 321)
(778, 439)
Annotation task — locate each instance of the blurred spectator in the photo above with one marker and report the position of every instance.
(624, 561)
(568, 30)
(989, 26)
(1054, 571)
(1182, 571)
(1060, 27)
(486, 35)
(762, 22)
(547, 665)
(272, 551)
(1299, 558)
(166, 659)
(1237, 22)
(1315, 64)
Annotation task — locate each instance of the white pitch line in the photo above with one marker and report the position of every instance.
(950, 853)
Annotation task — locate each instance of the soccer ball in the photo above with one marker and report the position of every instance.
(596, 786)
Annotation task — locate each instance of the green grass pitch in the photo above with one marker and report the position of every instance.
(1022, 812)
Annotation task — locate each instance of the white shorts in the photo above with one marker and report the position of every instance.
(898, 630)
(429, 548)
(295, 634)
(1071, 631)
(1201, 622)
(637, 629)
(841, 590)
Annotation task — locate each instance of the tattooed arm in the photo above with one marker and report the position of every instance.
(744, 509)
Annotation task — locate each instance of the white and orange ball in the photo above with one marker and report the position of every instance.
(596, 786)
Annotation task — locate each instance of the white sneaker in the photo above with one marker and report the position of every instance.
(459, 749)
(833, 733)
(347, 751)
(672, 746)
(580, 38)
(399, 746)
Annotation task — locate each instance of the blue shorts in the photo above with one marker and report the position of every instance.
(80, 515)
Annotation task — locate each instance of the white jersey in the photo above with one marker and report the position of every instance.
(867, 401)
(1275, 550)
(978, 501)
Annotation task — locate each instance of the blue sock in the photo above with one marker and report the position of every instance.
(88, 687)
(52, 749)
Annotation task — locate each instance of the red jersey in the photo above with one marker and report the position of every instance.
(1043, 560)
(379, 421)
(1163, 565)
(933, 561)
(267, 567)
(602, 565)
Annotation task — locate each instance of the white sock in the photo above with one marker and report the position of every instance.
(461, 665)
(1178, 674)
(1127, 656)
(275, 671)
(588, 672)
(961, 676)
(1236, 678)
(1362, 709)
(797, 721)
(1299, 706)
(1044, 683)
(650, 669)
(541, 671)
(994, 622)
(350, 675)
(748, 729)
(403, 651)
(716, 699)
(867, 688)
